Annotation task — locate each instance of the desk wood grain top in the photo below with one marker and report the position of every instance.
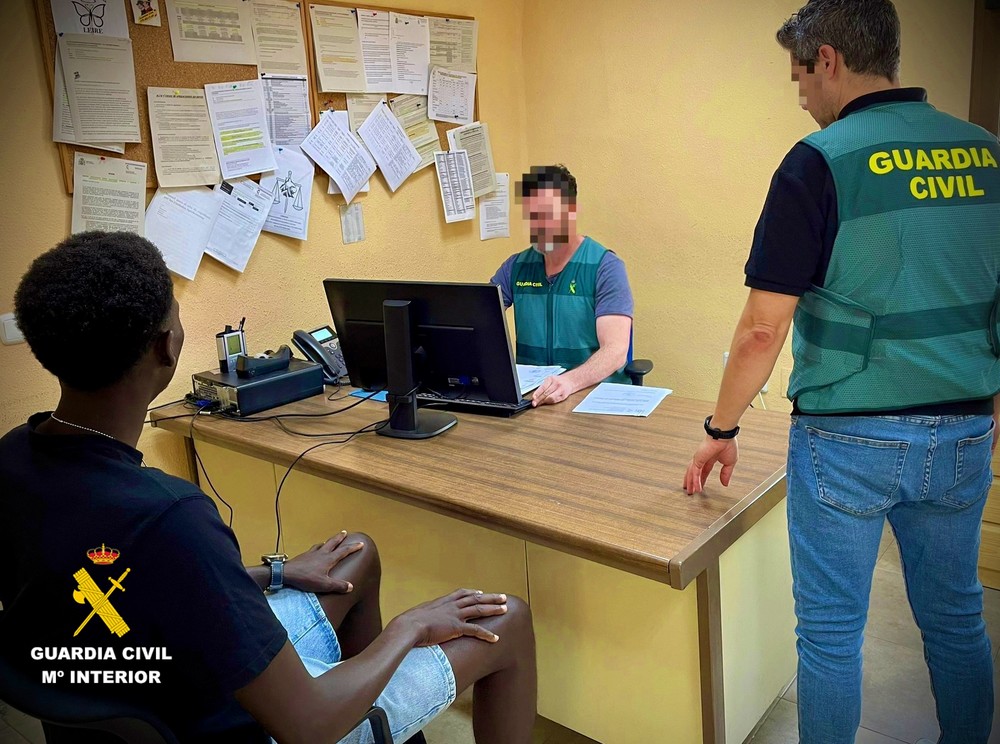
(606, 488)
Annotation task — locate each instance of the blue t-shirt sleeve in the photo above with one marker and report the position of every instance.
(503, 278)
(613, 293)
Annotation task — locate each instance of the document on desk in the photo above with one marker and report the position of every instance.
(90, 17)
(494, 211)
(360, 105)
(340, 118)
(338, 49)
(412, 114)
(277, 35)
(474, 138)
(62, 119)
(179, 223)
(239, 123)
(530, 376)
(183, 145)
(108, 194)
(286, 104)
(244, 208)
(352, 223)
(373, 26)
(454, 43)
(451, 96)
(100, 82)
(616, 399)
(396, 156)
(212, 31)
(409, 52)
(291, 184)
(341, 154)
(455, 184)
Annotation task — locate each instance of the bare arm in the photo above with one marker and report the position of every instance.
(613, 333)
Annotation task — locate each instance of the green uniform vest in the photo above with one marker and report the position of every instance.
(908, 314)
(555, 322)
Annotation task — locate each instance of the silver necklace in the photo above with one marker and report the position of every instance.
(77, 426)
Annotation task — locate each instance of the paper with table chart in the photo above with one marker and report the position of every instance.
(454, 43)
(616, 399)
(409, 53)
(90, 17)
(341, 154)
(108, 194)
(212, 31)
(183, 145)
(179, 223)
(530, 376)
(360, 105)
(455, 184)
(100, 82)
(338, 49)
(239, 122)
(291, 184)
(352, 223)
(451, 96)
(62, 119)
(340, 118)
(244, 208)
(373, 26)
(412, 114)
(396, 156)
(474, 138)
(277, 34)
(494, 211)
(286, 105)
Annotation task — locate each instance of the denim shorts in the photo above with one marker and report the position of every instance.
(422, 687)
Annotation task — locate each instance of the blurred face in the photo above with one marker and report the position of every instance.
(816, 83)
(551, 218)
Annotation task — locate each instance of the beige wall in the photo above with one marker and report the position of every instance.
(672, 116)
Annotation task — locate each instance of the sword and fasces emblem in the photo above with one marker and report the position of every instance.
(87, 592)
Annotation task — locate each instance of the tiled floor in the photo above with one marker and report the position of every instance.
(898, 706)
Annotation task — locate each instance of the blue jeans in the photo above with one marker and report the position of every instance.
(929, 475)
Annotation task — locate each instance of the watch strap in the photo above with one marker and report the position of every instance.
(719, 433)
(277, 576)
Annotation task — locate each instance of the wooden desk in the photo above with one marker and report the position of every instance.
(583, 514)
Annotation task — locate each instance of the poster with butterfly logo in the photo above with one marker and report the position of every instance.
(107, 17)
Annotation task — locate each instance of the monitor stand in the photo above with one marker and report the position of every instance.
(405, 421)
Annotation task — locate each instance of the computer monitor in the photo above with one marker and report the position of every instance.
(457, 338)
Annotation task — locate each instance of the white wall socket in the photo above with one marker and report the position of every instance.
(9, 332)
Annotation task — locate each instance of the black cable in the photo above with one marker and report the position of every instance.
(164, 405)
(205, 470)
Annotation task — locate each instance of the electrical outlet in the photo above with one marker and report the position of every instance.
(9, 332)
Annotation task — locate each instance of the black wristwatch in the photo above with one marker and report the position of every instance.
(719, 433)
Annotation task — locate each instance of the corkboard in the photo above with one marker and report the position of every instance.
(154, 66)
(322, 101)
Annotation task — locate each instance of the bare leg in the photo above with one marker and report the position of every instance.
(356, 616)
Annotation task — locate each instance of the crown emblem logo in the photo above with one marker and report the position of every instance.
(103, 556)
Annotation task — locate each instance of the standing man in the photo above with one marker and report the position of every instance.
(572, 301)
(881, 235)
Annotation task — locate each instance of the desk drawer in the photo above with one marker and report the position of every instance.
(989, 556)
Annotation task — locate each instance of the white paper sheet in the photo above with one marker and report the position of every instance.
(409, 53)
(277, 36)
(100, 82)
(341, 120)
(291, 184)
(239, 124)
(341, 154)
(455, 184)
(244, 208)
(179, 223)
(616, 399)
(146, 12)
(62, 119)
(474, 138)
(412, 114)
(183, 145)
(352, 223)
(108, 194)
(103, 17)
(360, 105)
(530, 376)
(396, 156)
(451, 96)
(212, 31)
(286, 103)
(454, 43)
(494, 211)
(373, 26)
(338, 49)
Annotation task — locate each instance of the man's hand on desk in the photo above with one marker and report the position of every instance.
(310, 571)
(554, 389)
(711, 451)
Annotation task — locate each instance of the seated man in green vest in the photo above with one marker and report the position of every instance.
(572, 301)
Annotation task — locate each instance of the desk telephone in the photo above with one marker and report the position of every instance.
(322, 346)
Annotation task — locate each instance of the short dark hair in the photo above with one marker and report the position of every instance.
(866, 32)
(548, 177)
(90, 307)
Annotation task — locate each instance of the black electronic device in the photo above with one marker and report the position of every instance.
(270, 361)
(459, 348)
(322, 346)
(246, 396)
(230, 344)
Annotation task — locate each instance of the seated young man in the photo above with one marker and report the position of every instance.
(176, 623)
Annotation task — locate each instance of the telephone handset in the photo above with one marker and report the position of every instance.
(322, 346)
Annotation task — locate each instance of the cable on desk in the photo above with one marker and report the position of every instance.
(205, 470)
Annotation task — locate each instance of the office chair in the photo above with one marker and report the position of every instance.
(636, 369)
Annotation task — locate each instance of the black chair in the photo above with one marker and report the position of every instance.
(71, 717)
(636, 369)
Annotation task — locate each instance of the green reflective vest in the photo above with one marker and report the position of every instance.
(908, 314)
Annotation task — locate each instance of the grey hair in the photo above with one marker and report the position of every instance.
(866, 32)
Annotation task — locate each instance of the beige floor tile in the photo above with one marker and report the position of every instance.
(781, 726)
(10, 736)
(889, 614)
(887, 539)
(890, 558)
(29, 728)
(867, 736)
(454, 726)
(896, 692)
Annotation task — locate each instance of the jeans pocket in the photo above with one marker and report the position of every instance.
(857, 475)
(973, 474)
